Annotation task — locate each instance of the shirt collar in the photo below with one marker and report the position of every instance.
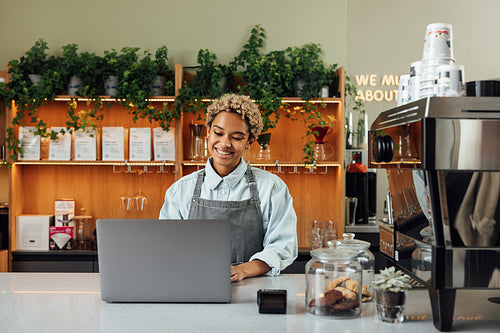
(213, 179)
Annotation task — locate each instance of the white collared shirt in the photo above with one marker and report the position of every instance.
(280, 220)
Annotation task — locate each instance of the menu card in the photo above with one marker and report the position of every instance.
(29, 143)
(60, 149)
(85, 145)
(164, 144)
(113, 144)
(140, 144)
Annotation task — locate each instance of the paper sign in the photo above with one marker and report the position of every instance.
(164, 144)
(140, 144)
(29, 143)
(85, 145)
(60, 149)
(113, 144)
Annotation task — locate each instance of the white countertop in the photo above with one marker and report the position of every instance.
(71, 302)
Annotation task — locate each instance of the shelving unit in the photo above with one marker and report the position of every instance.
(4, 252)
(34, 185)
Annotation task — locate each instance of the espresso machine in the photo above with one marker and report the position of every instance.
(442, 157)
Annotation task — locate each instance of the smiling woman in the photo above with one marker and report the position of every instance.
(256, 202)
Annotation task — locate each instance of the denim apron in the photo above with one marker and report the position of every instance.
(245, 216)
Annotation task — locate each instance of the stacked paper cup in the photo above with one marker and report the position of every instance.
(436, 74)
(438, 51)
(414, 81)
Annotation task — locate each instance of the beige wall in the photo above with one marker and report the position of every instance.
(386, 36)
(368, 37)
(185, 26)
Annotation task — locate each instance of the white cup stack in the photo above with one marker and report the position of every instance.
(436, 74)
(403, 92)
(414, 81)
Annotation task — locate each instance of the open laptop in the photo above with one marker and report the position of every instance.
(164, 260)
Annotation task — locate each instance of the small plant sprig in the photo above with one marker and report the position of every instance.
(390, 279)
(358, 106)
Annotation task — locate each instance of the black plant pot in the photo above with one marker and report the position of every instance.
(390, 305)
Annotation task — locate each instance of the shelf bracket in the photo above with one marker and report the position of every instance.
(279, 167)
(294, 170)
(326, 171)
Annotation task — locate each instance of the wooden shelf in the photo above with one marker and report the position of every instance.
(317, 190)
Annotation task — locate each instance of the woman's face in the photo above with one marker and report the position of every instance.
(228, 138)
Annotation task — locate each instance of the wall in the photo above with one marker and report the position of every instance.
(386, 36)
(185, 26)
(368, 37)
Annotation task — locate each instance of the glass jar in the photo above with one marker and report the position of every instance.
(83, 231)
(365, 258)
(333, 283)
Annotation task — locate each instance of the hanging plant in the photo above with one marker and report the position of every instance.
(135, 89)
(207, 84)
(28, 96)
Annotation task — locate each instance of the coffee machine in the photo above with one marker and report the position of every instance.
(442, 157)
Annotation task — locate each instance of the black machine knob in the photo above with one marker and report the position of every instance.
(382, 148)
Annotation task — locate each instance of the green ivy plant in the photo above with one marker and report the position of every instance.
(206, 85)
(135, 89)
(358, 106)
(27, 96)
(308, 66)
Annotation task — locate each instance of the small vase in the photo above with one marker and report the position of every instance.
(391, 305)
(298, 86)
(35, 78)
(265, 150)
(159, 86)
(74, 85)
(111, 86)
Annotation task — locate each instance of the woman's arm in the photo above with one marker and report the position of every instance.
(248, 269)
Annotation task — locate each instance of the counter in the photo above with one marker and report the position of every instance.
(71, 302)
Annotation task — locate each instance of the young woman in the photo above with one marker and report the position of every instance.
(256, 202)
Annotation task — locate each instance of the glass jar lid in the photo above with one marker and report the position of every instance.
(334, 253)
(351, 243)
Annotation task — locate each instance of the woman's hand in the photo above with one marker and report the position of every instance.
(248, 269)
(237, 273)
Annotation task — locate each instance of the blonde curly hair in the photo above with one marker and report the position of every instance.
(241, 105)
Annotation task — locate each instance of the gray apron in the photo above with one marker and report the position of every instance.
(245, 216)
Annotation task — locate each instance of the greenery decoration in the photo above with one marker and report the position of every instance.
(29, 96)
(391, 279)
(206, 84)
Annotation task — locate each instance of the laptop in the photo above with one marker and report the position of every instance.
(178, 261)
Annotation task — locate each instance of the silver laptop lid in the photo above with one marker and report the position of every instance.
(164, 260)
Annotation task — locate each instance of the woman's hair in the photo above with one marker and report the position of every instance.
(241, 105)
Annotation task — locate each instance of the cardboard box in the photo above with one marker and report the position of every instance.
(32, 232)
(60, 238)
(64, 213)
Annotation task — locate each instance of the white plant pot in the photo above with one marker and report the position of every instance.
(111, 86)
(35, 78)
(325, 92)
(74, 85)
(159, 86)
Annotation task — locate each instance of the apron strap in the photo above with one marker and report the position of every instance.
(254, 192)
(199, 183)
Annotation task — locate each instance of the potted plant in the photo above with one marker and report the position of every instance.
(82, 71)
(309, 71)
(206, 84)
(391, 287)
(29, 94)
(358, 106)
(163, 84)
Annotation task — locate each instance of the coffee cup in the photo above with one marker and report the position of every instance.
(438, 42)
(450, 81)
